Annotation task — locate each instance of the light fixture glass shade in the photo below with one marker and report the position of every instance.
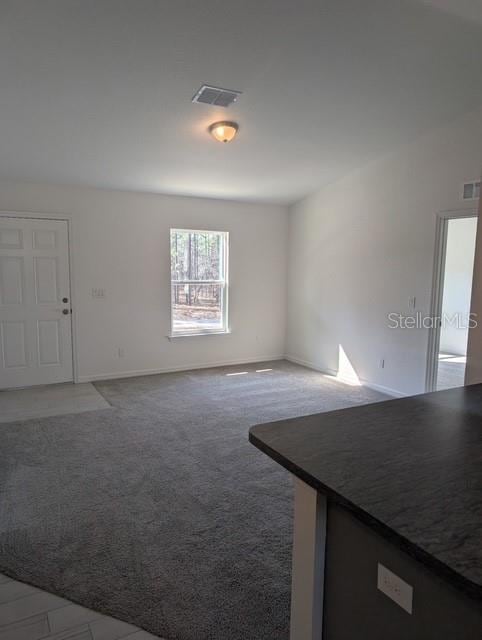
(223, 131)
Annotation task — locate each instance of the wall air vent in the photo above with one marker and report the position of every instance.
(471, 191)
(216, 96)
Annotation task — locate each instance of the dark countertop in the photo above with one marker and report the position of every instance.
(410, 468)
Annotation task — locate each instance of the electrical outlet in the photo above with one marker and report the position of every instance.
(395, 588)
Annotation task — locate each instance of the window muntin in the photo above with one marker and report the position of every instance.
(198, 281)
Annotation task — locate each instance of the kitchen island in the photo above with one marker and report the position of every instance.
(387, 518)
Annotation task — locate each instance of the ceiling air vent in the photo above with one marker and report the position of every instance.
(216, 96)
(471, 191)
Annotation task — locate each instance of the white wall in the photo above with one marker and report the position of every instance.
(121, 243)
(360, 248)
(457, 288)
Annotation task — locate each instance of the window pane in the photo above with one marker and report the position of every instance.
(197, 307)
(196, 256)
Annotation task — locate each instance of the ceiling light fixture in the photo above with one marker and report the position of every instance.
(223, 131)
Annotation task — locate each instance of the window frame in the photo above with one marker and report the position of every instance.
(224, 282)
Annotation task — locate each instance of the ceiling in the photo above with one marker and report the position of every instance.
(98, 92)
(468, 9)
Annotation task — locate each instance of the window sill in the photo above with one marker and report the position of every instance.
(197, 334)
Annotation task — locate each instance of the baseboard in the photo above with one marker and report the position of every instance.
(382, 389)
(188, 367)
(332, 372)
(311, 365)
(227, 363)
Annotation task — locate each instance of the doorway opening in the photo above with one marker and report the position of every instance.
(451, 298)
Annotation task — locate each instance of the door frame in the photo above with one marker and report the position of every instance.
(441, 228)
(65, 217)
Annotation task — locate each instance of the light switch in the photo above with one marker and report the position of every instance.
(98, 293)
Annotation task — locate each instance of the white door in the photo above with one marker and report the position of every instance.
(35, 316)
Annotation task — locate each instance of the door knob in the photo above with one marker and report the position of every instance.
(65, 300)
(65, 312)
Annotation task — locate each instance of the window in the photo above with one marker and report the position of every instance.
(199, 296)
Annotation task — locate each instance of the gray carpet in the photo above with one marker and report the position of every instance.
(450, 373)
(159, 511)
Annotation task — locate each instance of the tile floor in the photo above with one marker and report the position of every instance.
(27, 613)
(50, 400)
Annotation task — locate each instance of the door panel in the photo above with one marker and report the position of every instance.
(12, 280)
(49, 342)
(13, 344)
(46, 277)
(10, 239)
(44, 239)
(36, 336)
